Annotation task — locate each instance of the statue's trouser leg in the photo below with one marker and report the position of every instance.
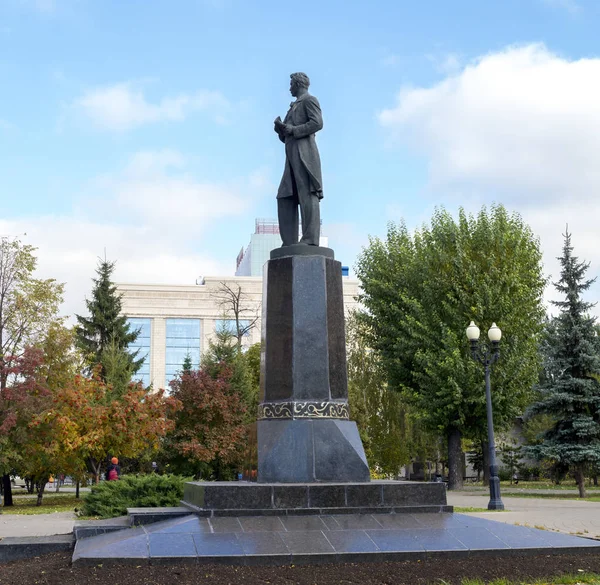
(311, 218)
(287, 211)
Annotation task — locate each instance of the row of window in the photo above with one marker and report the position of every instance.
(182, 340)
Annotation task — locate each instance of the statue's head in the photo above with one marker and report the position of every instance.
(298, 81)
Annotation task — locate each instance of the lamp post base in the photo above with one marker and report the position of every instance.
(495, 502)
(495, 505)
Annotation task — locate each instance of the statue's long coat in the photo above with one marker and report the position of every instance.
(302, 154)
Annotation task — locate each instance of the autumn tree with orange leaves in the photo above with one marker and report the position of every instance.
(26, 395)
(209, 435)
(88, 423)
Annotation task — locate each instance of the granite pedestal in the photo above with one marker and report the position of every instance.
(226, 498)
(304, 429)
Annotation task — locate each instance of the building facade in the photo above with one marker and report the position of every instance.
(176, 321)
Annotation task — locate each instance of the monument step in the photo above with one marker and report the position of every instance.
(246, 498)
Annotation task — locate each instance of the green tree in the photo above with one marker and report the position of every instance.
(105, 335)
(379, 412)
(570, 391)
(187, 365)
(421, 290)
(225, 350)
(28, 307)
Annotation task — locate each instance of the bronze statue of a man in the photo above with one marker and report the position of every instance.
(301, 184)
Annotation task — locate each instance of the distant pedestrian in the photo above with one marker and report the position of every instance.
(113, 471)
(515, 479)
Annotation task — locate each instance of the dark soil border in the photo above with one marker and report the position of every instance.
(56, 569)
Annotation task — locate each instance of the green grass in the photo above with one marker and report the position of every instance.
(558, 496)
(535, 485)
(26, 505)
(577, 579)
(465, 510)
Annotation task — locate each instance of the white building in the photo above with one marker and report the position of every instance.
(177, 320)
(250, 261)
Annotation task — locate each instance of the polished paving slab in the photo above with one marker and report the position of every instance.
(319, 539)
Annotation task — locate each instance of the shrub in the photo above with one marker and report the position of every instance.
(109, 499)
(530, 472)
(504, 474)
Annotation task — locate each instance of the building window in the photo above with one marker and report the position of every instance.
(142, 345)
(229, 326)
(183, 339)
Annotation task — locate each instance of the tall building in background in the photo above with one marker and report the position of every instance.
(265, 238)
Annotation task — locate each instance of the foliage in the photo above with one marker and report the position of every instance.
(244, 368)
(570, 391)
(25, 398)
(106, 330)
(28, 306)
(390, 431)
(61, 359)
(475, 457)
(117, 367)
(378, 412)
(187, 363)
(209, 433)
(110, 499)
(87, 423)
(253, 362)
(421, 290)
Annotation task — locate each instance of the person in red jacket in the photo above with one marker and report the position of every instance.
(113, 471)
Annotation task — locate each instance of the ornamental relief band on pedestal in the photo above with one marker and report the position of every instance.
(290, 410)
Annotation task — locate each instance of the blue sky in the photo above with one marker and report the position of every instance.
(145, 127)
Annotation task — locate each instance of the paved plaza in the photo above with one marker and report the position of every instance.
(567, 516)
(324, 538)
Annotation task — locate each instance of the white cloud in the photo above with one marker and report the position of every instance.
(151, 217)
(522, 127)
(124, 106)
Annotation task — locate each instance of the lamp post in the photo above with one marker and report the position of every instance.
(487, 355)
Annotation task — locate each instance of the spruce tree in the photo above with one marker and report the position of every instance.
(106, 330)
(570, 390)
(187, 365)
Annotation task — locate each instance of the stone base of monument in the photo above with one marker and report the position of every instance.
(310, 450)
(278, 499)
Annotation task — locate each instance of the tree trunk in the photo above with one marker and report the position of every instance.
(40, 495)
(455, 472)
(77, 490)
(96, 469)
(596, 480)
(485, 451)
(7, 489)
(580, 479)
